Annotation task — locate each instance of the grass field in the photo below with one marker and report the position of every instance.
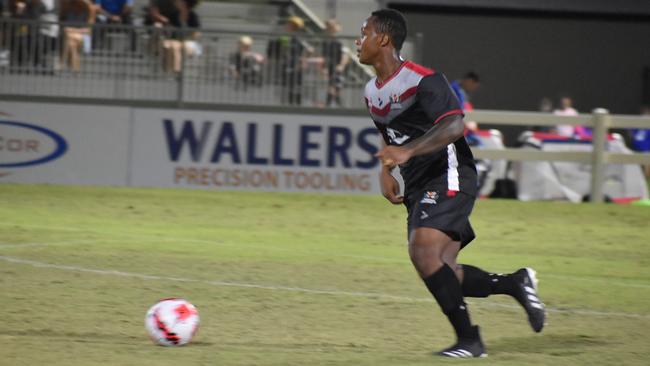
(296, 279)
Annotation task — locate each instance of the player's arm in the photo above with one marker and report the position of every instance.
(443, 133)
(389, 186)
(442, 108)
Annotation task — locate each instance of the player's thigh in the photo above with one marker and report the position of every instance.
(427, 245)
(446, 213)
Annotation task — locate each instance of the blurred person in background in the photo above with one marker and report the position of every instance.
(572, 131)
(81, 16)
(245, 65)
(33, 42)
(336, 58)
(288, 52)
(177, 14)
(546, 105)
(464, 87)
(641, 139)
(113, 12)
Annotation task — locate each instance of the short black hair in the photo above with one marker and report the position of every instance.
(472, 76)
(393, 23)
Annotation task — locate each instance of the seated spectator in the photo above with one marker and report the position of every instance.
(176, 14)
(81, 15)
(336, 58)
(113, 12)
(246, 65)
(33, 42)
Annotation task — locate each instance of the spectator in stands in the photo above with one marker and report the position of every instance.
(336, 58)
(464, 87)
(289, 54)
(577, 131)
(179, 14)
(641, 139)
(113, 12)
(546, 105)
(33, 42)
(246, 65)
(81, 15)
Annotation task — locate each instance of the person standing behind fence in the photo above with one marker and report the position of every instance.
(577, 131)
(336, 58)
(245, 65)
(81, 15)
(288, 53)
(465, 86)
(32, 41)
(641, 139)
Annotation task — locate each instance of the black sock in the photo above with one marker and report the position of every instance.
(478, 283)
(445, 288)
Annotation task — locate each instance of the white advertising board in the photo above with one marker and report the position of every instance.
(63, 143)
(254, 151)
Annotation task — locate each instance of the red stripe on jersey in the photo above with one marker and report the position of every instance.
(380, 112)
(449, 113)
(404, 96)
(407, 93)
(451, 193)
(424, 71)
(380, 85)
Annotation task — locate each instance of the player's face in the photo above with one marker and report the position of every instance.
(368, 43)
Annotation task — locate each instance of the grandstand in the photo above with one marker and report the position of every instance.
(115, 72)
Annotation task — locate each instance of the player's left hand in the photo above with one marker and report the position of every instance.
(391, 156)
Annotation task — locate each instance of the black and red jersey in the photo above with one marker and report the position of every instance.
(404, 107)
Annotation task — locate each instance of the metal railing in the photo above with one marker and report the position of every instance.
(600, 121)
(169, 64)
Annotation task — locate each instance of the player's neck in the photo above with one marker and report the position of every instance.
(386, 66)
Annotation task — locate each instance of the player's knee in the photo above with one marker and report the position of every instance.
(426, 258)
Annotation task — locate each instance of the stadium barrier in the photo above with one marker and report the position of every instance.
(601, 121)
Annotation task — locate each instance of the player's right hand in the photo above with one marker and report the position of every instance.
(390, 187)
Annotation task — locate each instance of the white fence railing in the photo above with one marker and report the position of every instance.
(600, 121)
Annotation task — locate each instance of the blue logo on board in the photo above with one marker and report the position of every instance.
(22, 148)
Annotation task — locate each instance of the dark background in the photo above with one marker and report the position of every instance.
(597, 52)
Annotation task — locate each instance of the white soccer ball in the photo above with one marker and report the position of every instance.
(172, 322)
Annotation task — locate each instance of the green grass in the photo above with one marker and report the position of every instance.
(593, 262)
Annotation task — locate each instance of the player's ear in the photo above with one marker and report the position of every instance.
(384, 40)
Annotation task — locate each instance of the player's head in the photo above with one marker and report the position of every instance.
(566, 102)
(384, 31)
(471, 82)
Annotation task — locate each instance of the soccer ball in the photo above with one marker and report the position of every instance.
(172, 322)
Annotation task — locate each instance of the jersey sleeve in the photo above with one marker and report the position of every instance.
(436, 98)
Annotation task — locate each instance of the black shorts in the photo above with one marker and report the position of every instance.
(438, 210)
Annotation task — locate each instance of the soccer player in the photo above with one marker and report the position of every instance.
(421, 123)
